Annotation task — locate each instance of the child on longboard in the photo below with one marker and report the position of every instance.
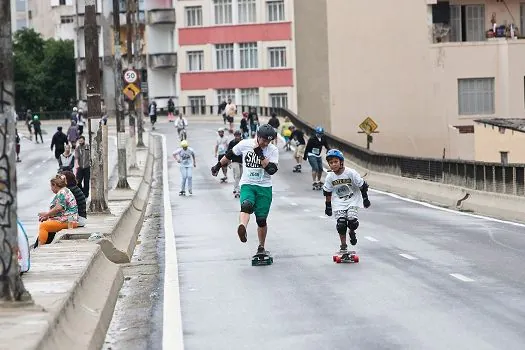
(346, 190)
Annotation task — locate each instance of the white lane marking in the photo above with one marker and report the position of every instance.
(45, 160)
(30, 173)
(306, 210)
(172, 337)
(461, 277)
(408, 256)
(449, 210)
(294, 204)
(371, 239)
(323, 217)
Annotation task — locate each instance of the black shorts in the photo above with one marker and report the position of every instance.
(229, 119)
(153, 119)
(219, 157)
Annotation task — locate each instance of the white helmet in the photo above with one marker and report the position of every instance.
(75, 109)
(220, 129)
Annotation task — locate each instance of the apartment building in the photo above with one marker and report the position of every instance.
(19, 15)
(238, 49)
(423, 70)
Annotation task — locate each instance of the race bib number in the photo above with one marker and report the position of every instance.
(316, 151)
(255, 174)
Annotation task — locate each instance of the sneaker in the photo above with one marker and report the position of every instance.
(343, 248)
(190, 193)
(260, 250)
(182, 193)
(353, 239)
(241, 231)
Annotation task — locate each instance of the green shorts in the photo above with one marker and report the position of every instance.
(260, 197)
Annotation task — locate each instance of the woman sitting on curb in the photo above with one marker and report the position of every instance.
(71, 183)
(63, 212)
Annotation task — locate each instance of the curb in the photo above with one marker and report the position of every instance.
(81, 322)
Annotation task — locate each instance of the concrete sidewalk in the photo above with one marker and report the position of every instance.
(73, 284)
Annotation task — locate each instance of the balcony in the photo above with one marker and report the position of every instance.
(163, 61)
(81, 64)
(161, 16)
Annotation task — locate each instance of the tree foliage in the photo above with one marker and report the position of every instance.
(44, 72)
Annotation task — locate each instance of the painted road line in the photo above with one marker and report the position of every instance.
(371, 239)
(172, 337)
(461, 277)
(408, 256)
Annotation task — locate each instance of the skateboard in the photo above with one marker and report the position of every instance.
(296, 170)
(262, 259)
(237, 195)
(317, 186)
(223, 180)
(346, 257)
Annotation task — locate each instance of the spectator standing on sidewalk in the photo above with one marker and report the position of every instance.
(73, 134)
(83, 156)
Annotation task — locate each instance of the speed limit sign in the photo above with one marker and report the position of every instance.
(130, 76)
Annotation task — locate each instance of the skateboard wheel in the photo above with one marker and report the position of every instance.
(338, 259)
(334, 257)
(356, 258)
(270, 260)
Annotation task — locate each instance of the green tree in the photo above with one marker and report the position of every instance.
(44, 72)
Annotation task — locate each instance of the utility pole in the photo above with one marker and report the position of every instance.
(130, 26)
(11, 286)
(98, 199)
(138, 65)
(119, 101)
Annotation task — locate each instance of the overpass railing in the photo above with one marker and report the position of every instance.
(483, 176)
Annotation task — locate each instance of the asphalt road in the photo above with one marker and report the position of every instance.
(427, 279)
(37, 167)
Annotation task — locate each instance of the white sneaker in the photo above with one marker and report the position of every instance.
(190, 193)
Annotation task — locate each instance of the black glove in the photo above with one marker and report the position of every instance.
(259, 152)
(366, 202)
(328, 208)
(215, 169)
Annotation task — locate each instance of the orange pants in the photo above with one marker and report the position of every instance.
(50, 226)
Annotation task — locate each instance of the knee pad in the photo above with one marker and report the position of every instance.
(341, 226)
(353, 224)
(261, 222)
(247, 207)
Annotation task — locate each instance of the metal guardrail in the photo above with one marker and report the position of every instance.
(482, 176)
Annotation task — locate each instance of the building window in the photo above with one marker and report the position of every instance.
(195, 61)
(62, 2)
(20, 6)
(275, 10)
(248, 55)
(279, 100)
(197, 104)
(277, 57)
(224, 55)
(225, 95)
(250, 97)
(66, 19)
(247, 11)
(476, 96)
(467, 22)
(223, 11)
(193, 16)
(504, 157)
(21, 24)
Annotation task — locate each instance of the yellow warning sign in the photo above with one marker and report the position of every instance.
(131, 91)
(368, 126)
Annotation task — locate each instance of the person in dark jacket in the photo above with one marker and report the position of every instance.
(37, 127)
(222, 107)
(297, 138)
(171, 110)
(313, 154)
(59, 142)
(79, 196)
(274, 123)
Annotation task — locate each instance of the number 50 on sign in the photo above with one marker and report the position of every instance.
(130, 76)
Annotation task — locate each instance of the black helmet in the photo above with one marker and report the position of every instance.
(237, 132)
(267, 132)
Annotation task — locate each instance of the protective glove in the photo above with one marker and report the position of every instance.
(328, 208)
(259, 152)
(215, 169)
(366, 202)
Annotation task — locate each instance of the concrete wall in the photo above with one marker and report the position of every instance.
(489, 142)
(312, 61)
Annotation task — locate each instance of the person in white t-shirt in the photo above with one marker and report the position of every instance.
(185, 156)
(221, 147)
(345, 192)
(259, 163)
(230, 111)
(181, 123)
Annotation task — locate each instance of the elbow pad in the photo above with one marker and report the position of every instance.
(271, 168)
(364, 190)
(326, 194)
(229, 155)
